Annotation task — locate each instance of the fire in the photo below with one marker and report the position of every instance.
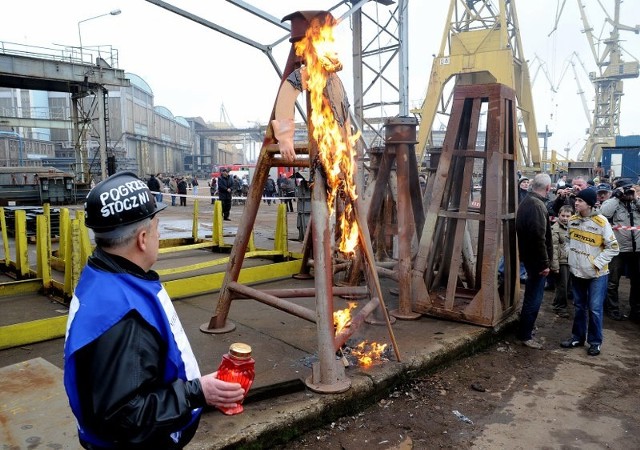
(332, 134)
(342, 317)
(368, 352)
(365, 352)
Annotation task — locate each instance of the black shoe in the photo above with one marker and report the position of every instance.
(615, 315)
(571, 343)
(226, 218)
(594, 350)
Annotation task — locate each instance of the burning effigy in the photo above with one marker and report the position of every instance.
(329, 122)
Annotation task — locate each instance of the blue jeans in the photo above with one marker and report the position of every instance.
(533, 293)
(523, 271)
(588, 300)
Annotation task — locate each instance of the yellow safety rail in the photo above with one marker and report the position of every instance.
(75, 247)
(5, 237)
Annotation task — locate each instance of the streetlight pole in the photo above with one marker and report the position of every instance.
(114, 12)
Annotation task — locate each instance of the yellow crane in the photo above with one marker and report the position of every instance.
(481, 44)
(607, 80)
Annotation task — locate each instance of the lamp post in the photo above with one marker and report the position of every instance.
(114, 12)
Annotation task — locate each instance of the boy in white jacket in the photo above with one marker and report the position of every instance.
(592, 244)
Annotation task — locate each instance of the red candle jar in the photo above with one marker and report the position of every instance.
(237, 366)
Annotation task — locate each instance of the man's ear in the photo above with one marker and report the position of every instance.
(141, 239)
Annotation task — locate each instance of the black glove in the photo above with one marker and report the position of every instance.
(618, 194)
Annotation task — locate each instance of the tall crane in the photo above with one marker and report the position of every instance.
(607, 80)
(481, 44)
(580, 92)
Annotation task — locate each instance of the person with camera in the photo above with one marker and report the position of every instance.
(623, 211)
(567, 196)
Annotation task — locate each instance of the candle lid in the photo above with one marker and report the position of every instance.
(240, 350)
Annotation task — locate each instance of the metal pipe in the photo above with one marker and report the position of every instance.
(311, 292)
(365, 241)
(403, 59)
(322, 238)
(399, 132)
(271, 300)
(387, 273)
(386, 264)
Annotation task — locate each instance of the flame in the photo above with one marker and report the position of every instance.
(368, 352)
(341, 318)
(335, 142)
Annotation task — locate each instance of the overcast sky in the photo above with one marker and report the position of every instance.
(193, 70)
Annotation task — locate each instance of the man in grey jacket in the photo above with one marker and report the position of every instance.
(623, 211)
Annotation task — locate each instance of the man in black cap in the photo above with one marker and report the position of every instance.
(591, 246)
(603, 192)
(129, 371)
(623, 211)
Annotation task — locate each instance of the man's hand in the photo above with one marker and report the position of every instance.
(221, 393)
(545, 272)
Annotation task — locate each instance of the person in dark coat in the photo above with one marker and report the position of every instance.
(154, 186)
(182, 191)
(225, 189)
(536, 252)
(523, 188)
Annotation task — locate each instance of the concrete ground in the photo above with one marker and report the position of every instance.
(284, 347)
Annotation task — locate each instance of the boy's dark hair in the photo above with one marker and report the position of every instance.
(565, 208)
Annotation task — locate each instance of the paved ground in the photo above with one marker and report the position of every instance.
(508, 397)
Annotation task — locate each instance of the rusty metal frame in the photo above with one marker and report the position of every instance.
(454, 276)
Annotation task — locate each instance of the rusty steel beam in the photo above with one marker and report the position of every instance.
(272, 300)
(400, 133)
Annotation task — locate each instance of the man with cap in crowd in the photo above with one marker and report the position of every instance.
(592, 245)
(129, 371)
(623, 211)
(603, 193)
(225, 192)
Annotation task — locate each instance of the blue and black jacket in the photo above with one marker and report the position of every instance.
(130, 374)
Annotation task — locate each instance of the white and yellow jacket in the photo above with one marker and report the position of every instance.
(592, 244)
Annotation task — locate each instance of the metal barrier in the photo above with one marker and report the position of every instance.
(75, 248)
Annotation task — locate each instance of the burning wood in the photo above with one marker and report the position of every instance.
(342, 318)
(364, 353)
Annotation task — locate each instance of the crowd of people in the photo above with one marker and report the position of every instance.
(579, 239)
(229, 189)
